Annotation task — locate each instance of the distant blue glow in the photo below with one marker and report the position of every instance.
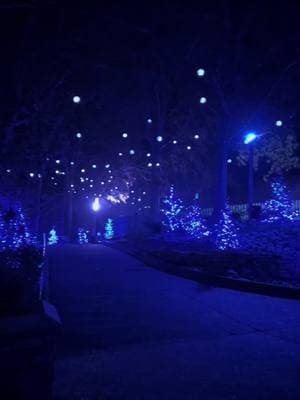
(249, 137)
(229, 160)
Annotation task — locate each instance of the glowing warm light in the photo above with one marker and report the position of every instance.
(76, 99)
(96, 204)
(250, 137)
(203, 100)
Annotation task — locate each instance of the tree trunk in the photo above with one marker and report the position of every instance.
(222, 179)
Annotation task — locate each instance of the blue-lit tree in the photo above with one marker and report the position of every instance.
(193, 223)
(82, 236)
(53, 238)
(226, 231)
(13, 229)
(109, 229)
(172, 211)
(281, 207)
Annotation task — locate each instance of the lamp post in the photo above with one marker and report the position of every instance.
(249, 139)
(96, 207)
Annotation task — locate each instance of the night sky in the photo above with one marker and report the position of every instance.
(131, 61)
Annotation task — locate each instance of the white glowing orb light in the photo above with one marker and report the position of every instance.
(94, 166)
(159, 138)
(120, 154)
(79, 135)
(57, 161)
(148, 154)
(107, 166)
(125, 135)
(196, 137)
(149, 120)
(102, 183)
(175, 142)
(250, 137)
(131, 152)
(83, 170)
(149, 164)
(229, 160)
(31, 174)
(72, 162)
(278, 123)
(96, 204)
(203, 100)
(76, 99)
(188, 147)
(157, 164)
(57, 171)
(200, 72)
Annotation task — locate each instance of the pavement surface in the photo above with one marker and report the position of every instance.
(132, 332)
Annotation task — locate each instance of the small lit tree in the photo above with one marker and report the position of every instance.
(13, 229)
(53, 238)
(193, 223)
(82, 236)
(171, 211)
(109, 229)
(226, 231)
(281, 207)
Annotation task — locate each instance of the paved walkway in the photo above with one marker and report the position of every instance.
(131, 332)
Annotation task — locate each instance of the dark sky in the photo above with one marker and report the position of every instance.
(114, 54)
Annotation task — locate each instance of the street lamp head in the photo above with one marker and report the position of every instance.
(96, 204)
(249, 137)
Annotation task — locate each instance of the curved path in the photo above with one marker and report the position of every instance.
(131, 332)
